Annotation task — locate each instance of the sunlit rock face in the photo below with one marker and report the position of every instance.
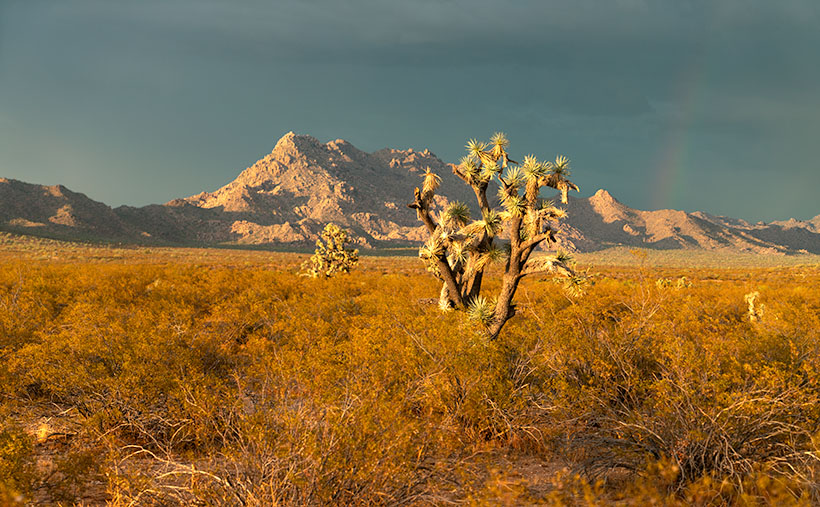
(289, 194)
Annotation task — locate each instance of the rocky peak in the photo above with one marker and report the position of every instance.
(341, 149)
(607, 206)
(291, 151)
(603, 196)
(294, 145)
(304, 183)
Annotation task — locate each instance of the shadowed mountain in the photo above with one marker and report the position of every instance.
(56, 211)
(291, 193)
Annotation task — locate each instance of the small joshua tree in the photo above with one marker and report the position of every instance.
(755, 311)
(459, 249)
(331, 255)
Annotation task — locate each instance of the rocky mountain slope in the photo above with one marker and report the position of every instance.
(601, 220)
(58, 212)
(288, 196)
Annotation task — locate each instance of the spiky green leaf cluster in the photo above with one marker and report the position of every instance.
(515, 205)
(575, 285)
(476, 149)
(499, 139)
(470, 169)
(459, 252)
(430, 252)
(560, 166)
(432, 248)
(431, 181)
(549, 211)
(493, 223)
(533, 169)
(513, 177)
(481, 310)
(489, 170)
(492, 254)
(456, 214)
(563, 257)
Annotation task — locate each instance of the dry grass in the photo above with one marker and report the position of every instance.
(220, 377)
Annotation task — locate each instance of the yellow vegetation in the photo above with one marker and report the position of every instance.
(225, 378)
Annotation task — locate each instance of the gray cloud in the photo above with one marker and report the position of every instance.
(193, 90)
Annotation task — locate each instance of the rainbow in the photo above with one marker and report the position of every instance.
(676, 154)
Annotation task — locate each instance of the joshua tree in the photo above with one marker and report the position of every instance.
(755, 312)
(459, 249)
(331, 255)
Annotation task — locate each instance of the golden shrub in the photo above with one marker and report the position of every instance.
(217, 379)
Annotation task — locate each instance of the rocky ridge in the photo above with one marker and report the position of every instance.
(601, 220)
(288, 195)
(291, 193)
(58, 212)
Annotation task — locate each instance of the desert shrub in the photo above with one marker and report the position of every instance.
(680, 283)
(641, 377)
(332, 255)
(17, 472)
(231, 383)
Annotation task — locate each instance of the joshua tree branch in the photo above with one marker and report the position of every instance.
(423, 212)
(481, 196)
(472, 287)
(525, 255)
(537, 239)
(458, 173)
(515, 236)
(504, 310)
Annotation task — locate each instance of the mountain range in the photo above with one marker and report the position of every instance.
(287, 196)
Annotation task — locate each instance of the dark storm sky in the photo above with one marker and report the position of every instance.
(688, 104)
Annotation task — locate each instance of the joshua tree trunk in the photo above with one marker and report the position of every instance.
(445, 302)
(504, 309)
